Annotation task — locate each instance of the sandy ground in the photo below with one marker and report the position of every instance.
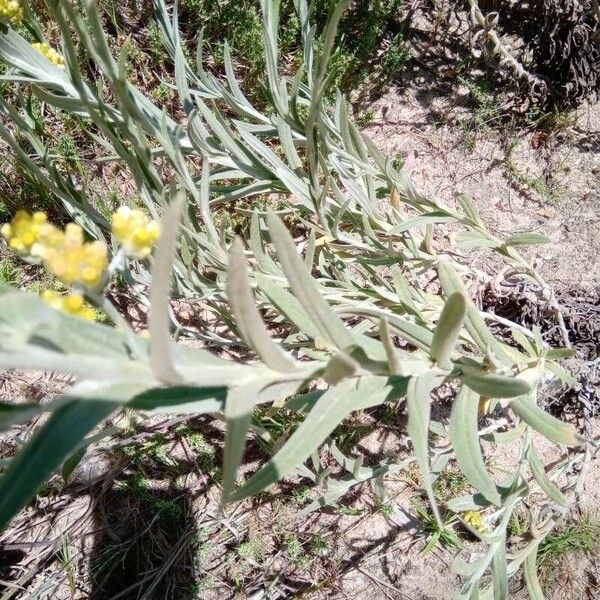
(568, 163)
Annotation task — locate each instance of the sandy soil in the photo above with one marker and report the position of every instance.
(422, 123)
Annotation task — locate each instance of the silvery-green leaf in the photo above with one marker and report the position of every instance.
(180, 400)
(418, 398)
(475, 239)
(531, 577)
(238, 414)
(390, 350)
(71, 463)
(465, 440)
(289, 305)
(524, 341)
(544, 423)
(161, 360)
(505, 437)
(493, 385)
(340, 366)
(328, 411)
(339, 488)
(248, 318)
(403, 291)
(448, 329)
(50, 445)
(526, 239)
(562, 374)
(474, 323)
(469, 208)
(538, 471)
(16, 414)
(463, 568)
(415, 334)
(330, 325)
(433, 218)
(558, 353)
(499, 568)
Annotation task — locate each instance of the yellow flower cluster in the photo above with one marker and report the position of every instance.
(26, 231)
(74, 260)
(65, 253)
(135, 231)
(475, 520)
(11, 12)
(71, 304)
(49, 53)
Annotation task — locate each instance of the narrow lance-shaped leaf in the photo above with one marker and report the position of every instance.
(46, 450)
(465, 439)
(330, 325)
(451, 282)
(538, 471)
(544, 423)
(289, 305)
(494, 385)
(238, 414)
(340, 366)
(248, 318)
(531, 577)
(526, 239)
(390, 351)
(328, 411)
(158, 322)
(418, 398)
(448, 329)
(499, 568)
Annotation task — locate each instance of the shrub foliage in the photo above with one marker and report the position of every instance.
(364, 303)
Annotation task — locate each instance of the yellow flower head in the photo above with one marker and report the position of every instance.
(11, 12)
(49, 53)
(73, 260)
(135, 231)
(475, 520)
(65, 253)
(71, 304)
(26, 232)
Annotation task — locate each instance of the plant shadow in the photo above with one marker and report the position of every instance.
(146, 534)
(144, 548)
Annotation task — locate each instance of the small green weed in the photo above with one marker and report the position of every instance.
(386, 509)
(534, 183)
(485, 114)
(5, 214)
(65, 556)
(205, 453)
(301, 495)
(519, 523)
(251, 551)
(154, 42)
(8, 272)
(449, 484)
(155, 449)
(553, 121)
(581, 536)
(293, 547)
(366, 28)
(347, 436)
(319, 544)
(168, 509)
(278, 423)
(434, 535)
(162, 93)
(201, 549)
